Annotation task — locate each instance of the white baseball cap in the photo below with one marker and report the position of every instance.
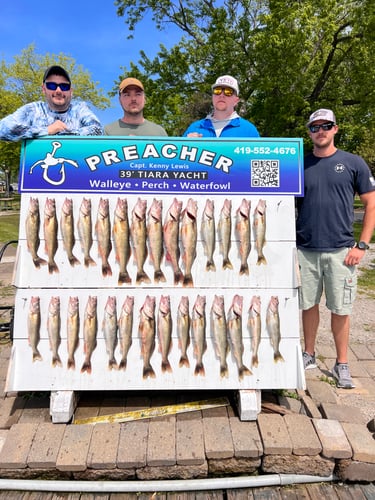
(226, 81)
(322, 114)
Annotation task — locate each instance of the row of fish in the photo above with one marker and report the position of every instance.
(145, 234)
(157, 322)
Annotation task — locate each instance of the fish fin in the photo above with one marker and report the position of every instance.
(37, 356)
(188, 280)
(261, 260)
(148, 371)
(56, 361)
(184, 361)
(71, 364)
(210, 265)
(178, 277)
(227, 264)
(166, 366)
(38, 261)
(106, 270)
(224, 371)
(124, 278)
(254, 360)
(277, 357)
(52, 267)
(86, 367)
(142, 277)
(242, 371)
(73, 261)
(123, 363)
(244, 269)
(199, 369)
(89, 261)
(159, 276)
(112, 364)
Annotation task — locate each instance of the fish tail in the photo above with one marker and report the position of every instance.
(142, 277)
(261, 260)
(224, 371)
(255, 361)
(159, 276)
(277, 357)
(244, 269)
(73, 260)
(112, 364)
(106, 270)
(37, 356)
(199, 369)
(227, 264)
(123, 363)
(89, 261)
(178, 276)
(86, 367)
(56, 361)
(124, 278)
(184, 361)
(52, 267)
(188, 280)
(166, 366)
(148, 371)
(71, 364)
(244, 371)
(38, 261)
(210, 265)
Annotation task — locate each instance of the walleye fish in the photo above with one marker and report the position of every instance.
(125, 327)
(243, 232)
(121, 239)
(103, 233)
(224, 232)
(50, 234)
(85, 231)
(54, 329)
(198, 327)
(109, 327)
(90, 331)
(189, 239)
(171, 231)
(219, 330)
(138, 233)
(183, 330)
(33, 327)
(273, 327)
(155, 238)
(72, 331)
(146, 331)
(208, 234)
(255, 327)
(32, 226)
(164, 325)
(235, 335)
(260, 230)
(67, 230)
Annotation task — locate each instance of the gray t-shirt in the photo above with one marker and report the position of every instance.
(146, 128)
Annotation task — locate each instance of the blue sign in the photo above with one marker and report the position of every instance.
(105, 164)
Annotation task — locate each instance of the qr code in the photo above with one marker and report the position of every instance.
(265, 173)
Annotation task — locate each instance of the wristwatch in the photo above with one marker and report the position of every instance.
(362, 245)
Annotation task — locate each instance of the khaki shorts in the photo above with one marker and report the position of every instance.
(327, 271)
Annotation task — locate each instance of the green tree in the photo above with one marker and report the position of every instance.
(290, 57)
(21, 82)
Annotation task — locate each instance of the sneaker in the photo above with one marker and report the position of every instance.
(309, 361)
(342, 375)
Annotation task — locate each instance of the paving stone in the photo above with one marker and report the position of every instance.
(325, 351)
(351, 470)
(361, 441)
(10, 411)
(292, 404)
(45, 446)
(332, 436)
(189, 439)
(358, 369)
(342, 413)
(309, 407)
(369, 366)
(172, 472)
(274, 434)
(36, 409)
(292, 464)
(217, 434)
(74, 447)
(3, 436)
(234, 466)
(302, 434)
(104, 443)
(321, 392)
(161, 448)
(246, 438)
(17, 446)
(132, 449)
(361, 351)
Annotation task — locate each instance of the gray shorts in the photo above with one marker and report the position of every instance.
(327, 271)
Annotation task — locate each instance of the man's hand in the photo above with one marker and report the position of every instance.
(354, 256)
(57, 127)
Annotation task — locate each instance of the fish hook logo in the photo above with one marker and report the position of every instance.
(50, 161)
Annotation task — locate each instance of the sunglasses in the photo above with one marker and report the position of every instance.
(227, 91)
(324, 126)
(53, 86)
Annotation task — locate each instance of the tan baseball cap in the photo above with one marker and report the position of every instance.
(130, 81)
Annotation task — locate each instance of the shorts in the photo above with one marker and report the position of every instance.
(327, 271)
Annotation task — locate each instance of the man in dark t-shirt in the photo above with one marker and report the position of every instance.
(327, 252)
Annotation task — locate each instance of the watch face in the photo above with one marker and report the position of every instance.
(362, 245)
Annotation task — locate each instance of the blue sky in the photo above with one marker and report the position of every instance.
(88, 31)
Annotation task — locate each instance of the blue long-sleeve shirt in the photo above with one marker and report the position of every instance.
(237, 127)
(32, 120)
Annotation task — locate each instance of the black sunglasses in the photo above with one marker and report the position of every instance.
(324, 126)
(53, 86)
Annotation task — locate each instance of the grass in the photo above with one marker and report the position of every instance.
(9, 227)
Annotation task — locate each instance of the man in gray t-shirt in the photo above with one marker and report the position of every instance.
(132, 99)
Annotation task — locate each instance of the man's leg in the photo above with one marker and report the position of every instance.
(310, 323)
(340, 329)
